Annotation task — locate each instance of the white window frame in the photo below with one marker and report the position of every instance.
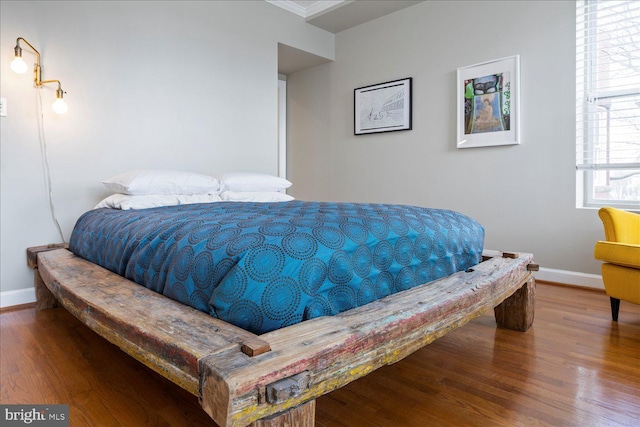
(590, 101)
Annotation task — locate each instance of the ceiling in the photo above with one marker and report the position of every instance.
(339, 15)
(291, 59)
(333, 16)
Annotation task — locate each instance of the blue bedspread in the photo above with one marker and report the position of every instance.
(263, 266)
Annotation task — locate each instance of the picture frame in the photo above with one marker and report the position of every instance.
(383, 107)
(488, 103)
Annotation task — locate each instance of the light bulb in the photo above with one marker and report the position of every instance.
(19, 66)
(59, 106)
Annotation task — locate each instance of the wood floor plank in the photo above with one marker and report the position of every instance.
(574, 367)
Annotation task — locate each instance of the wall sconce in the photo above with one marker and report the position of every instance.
(19, 66)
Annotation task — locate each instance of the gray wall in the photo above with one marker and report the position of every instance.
(524, 195)
(180, 85)
(192, 85)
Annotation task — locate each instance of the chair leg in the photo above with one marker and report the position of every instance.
(615, 308)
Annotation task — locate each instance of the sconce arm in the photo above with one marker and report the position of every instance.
(59, 91)
(38, 69)
(44, 82)
(19, 49)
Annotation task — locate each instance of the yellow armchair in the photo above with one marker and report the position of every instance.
(621, 255)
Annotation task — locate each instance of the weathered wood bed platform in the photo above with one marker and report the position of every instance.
(273, 379)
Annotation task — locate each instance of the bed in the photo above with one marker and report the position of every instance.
(265, 266)
(269, 372)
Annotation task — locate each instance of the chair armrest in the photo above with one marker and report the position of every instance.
(620, 226)
(625, 254)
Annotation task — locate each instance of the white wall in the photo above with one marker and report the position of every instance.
(524, 195)
(181, 85)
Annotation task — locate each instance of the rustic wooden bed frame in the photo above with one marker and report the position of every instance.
(273, 379)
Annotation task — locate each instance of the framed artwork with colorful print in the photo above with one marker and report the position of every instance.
(488, 103)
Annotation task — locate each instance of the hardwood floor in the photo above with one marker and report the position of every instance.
(574, 367)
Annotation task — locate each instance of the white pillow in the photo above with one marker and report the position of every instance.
(253, 182)
(126, 202)
(255, 196)
(148, 181)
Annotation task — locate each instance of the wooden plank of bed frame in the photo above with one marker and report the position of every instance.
(333, 351)
(44, 298)
(165, 335)
(301, 362)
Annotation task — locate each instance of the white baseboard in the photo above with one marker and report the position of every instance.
(575, 278)
(17, 297)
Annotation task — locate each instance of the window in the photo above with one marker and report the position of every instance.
(608, 103)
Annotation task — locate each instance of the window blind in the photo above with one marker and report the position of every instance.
(608, 85)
